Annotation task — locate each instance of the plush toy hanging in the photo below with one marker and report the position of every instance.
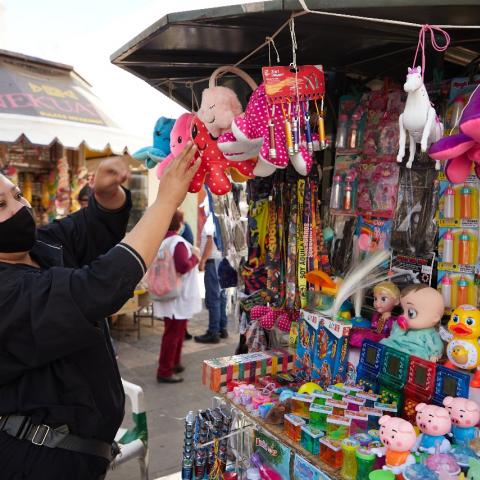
(463, 149)
(276, 122)
(161, 144)
(220, 105)
(213, 166)
(419, 118)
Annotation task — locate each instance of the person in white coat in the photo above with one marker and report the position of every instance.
(177, 311)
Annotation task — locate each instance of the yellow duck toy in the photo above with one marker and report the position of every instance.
(463, 349)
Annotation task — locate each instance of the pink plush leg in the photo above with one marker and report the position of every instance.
(457, 169)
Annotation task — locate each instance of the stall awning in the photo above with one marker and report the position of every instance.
(49, 102)
(186, 47)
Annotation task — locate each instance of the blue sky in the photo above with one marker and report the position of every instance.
(84, 33)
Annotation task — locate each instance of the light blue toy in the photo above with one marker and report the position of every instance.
(161, 144)
(474, 470)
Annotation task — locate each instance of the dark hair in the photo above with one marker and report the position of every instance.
(177, 221)
(84, 193)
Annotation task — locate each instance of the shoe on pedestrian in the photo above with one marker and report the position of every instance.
(188, 336)
(178, 368)
(172, 379)
(208, 338)
(223, 333)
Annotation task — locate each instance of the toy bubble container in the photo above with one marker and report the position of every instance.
(443, 462)
(365, 463)
(301, 405)
(349, 465)
(311, 439)
(292, 426)
(338, 427)
(318, 416)
(320, 398)
(331, 452)
(381, 475)
(359, 422)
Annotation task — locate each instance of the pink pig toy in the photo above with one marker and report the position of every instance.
(434, 423)
(399, 437)
(250, 137)
(465, 415)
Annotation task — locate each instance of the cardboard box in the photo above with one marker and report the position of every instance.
(218, 372)
(322, 348)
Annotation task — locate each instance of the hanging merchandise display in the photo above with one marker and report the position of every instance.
(356, 273)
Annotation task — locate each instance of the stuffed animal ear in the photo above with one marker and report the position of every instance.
(419, 69)
(420, 407)
(383, 420)
(410, 70)
(447, 401)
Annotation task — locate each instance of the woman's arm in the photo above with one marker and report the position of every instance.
(146, 237)
(183, 262)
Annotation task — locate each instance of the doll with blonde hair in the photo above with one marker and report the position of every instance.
(386, 298)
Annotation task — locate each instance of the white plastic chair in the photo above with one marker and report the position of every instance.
(133, 442)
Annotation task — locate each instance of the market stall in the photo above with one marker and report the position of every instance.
(51, 123)
(357, 282)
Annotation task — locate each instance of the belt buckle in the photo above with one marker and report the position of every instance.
(42, 441)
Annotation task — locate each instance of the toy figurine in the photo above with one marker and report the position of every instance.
(386, 297)
(414, 332)
(419, 118)
(463, 350)
(399, 437)
(434, 423)
(465, 415)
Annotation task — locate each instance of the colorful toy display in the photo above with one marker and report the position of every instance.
(276, 126)
(465, 415)
(386, 297)
(462, 150)
(415, 332)
(398, 437)
(160, 148)
(434, 423)
(463, 350)
(419, 118)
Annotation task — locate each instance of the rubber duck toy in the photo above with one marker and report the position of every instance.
(463, 350)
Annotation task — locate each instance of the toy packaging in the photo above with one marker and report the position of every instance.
(458, 244)
(457, 285)
(344, 190)
(322, 348)
(459, 202)
(351, 125)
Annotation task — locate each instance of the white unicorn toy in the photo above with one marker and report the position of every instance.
(419, 118)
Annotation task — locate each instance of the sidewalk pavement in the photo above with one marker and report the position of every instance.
(166, 405)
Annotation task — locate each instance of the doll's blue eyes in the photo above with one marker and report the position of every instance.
(411, 313)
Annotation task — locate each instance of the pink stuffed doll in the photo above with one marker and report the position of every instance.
(179, 136)
(213, 164)
(250, 138)
(463, 149)
(220, 105)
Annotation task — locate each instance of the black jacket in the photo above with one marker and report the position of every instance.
(56, 360)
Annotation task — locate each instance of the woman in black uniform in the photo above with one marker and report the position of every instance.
(61, 397)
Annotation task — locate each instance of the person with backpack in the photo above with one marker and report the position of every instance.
(175, 300)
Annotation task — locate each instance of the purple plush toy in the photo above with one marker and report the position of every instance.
(462, 149)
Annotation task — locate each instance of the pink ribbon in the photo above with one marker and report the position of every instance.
(421, 43)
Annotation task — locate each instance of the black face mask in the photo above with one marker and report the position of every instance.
(18, 233)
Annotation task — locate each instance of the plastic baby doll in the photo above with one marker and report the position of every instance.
(414, 332)
(386, 297)
(465, 415)
(434, 423)
(398, 437)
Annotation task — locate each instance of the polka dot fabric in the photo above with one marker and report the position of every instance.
(250, 135)
(284, 322)
(214, 165)
(259, 311)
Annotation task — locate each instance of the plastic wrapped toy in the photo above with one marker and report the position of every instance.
(415, 333)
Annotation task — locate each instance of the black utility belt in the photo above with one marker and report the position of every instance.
(22, 428)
